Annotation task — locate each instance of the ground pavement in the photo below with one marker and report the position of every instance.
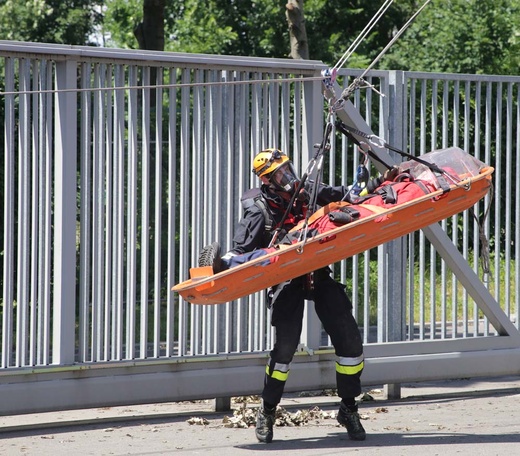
(460, 417)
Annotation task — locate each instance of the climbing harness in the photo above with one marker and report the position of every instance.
(362, 177)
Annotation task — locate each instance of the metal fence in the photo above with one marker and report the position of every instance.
(481, 115)
(119, 166)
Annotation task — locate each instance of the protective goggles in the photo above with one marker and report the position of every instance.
(284, 177)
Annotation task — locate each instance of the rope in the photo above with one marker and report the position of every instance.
(484, 254)
(359, 80)
(379, 142)
(363, 34)
(164, 86)
(318, 161)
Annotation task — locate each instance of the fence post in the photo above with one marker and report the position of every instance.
(395, 252)
(312, 131)
(65, 213)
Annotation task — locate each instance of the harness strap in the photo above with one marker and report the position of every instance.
(443, 183)
(254, 197)
(388, 194)
(327, 209)
(269, 220)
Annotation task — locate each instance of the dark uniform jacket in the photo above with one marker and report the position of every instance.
(253, 230)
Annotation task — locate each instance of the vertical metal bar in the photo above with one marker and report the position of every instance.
(256, 322)
(210, 230)
(498, 188)
(421, 237)
(24, 191)
(131, 218)
(171, 328)
(98, 215)
(184, 197)
(97, 227)
(63, 347)
(85, 214)
(273, 113)
(145, 212)
(445, 142)
(454, 218)
(199, 223)
(242, 184)
(158, 213)
(476, 238)
(47, 236)
(118, 217)
(285, 115)
(465, 219)
(508, 192)
(222, 316)
(487, 159)
(312, 131)
(108, 271)
(433, 253)
(297, 125)
(41, 255)
(34, 340)
(204, 115)
(8, 215)
(395, 251)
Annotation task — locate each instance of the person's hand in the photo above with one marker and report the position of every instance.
(391, 174)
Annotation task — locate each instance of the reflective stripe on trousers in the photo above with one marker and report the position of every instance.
(278, 371)
(349, 366)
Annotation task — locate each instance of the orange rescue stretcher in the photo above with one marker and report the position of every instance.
(321, 250)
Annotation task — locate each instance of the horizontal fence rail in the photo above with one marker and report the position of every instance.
(119, 166)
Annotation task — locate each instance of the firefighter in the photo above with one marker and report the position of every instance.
(264, 211)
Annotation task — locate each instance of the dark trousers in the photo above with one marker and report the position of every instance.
(334, 309)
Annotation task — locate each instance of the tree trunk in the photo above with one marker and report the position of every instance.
(150, 35)
(297, 32)
(150, 32)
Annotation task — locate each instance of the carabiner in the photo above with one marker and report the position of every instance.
(302, 238)
(377, 141)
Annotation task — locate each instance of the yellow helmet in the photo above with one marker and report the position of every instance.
(268, 161)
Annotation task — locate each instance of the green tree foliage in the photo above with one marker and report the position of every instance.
(259, 27)
(333, 25)
(461, 36)
(211, 27)
(476, 36)
(120, 19)
(49, 21)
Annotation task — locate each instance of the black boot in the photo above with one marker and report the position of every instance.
(349, 417)
(264, 424)
(210, 256)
